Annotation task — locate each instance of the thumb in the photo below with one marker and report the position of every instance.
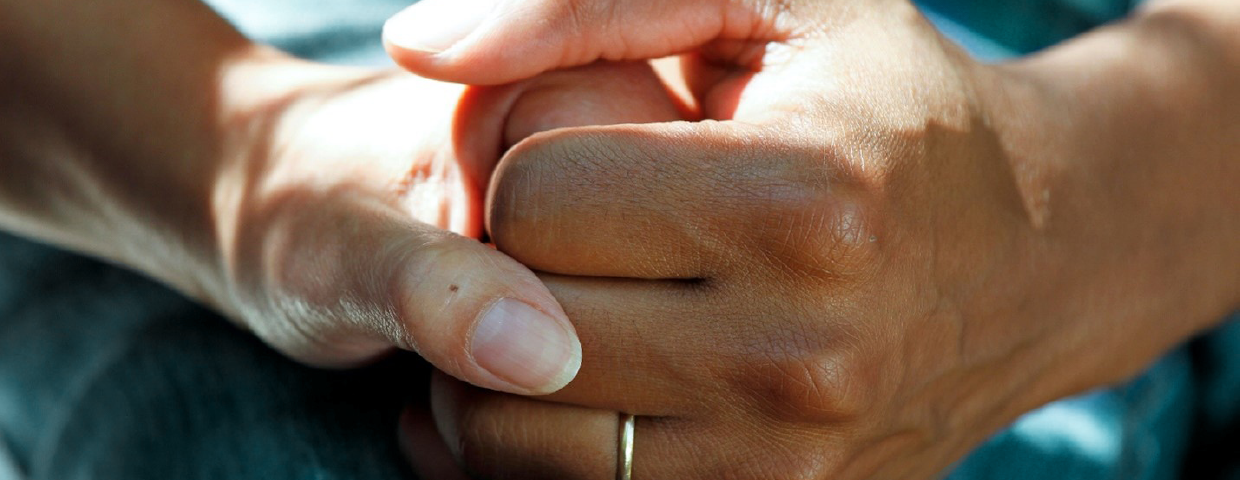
(348, 279)
(484, 42)
(480, 316)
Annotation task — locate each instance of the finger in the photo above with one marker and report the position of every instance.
(496, 436)
(424, 447)
(346, 276)
(462, 414)
(685, 201)
(669, 349)
(499, 41)
(634, 333)
(604, 93)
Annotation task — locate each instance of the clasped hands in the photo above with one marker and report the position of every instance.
(813, 249)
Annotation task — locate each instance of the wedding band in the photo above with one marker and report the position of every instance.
(624, 457)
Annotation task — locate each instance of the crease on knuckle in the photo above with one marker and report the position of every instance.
(802, 381)
(431, 287)
(530, 185)
(812, 230)
(583, 18)
(478, 442)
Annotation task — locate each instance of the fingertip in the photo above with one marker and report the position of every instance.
(537, 352)
(422, 37)
(433, 26)
(459, 41)
(464, 65)
(414, 61)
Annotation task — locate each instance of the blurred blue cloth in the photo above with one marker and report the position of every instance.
(106, 375)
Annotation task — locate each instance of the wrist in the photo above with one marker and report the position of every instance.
(1120, 141)
(112, 148)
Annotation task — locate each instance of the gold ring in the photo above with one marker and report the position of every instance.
(624, 457)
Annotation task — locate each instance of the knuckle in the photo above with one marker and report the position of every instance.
(582, 17)
(813, 385)
(299, 264)
(832, 238)
(530, 178)
(826, 386)
(556, 181)
(437, 294)
(814, 226)
(316, 277)
(476, 445)
(287, 295)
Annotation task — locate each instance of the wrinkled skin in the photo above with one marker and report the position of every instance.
(354, 212)
(876, 253)
(336, 212)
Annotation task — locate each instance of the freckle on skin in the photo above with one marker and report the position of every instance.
(454, 288)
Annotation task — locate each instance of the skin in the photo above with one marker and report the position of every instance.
(1034, 242)
(335, 212)
(875, 253)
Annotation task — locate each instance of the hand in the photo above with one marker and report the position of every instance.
(877, 254)
(337, 232)
(328, 209)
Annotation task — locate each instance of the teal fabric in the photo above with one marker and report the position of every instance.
(1024, 26)
(107, 375)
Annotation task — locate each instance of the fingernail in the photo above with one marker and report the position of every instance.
(435, 25)
(526, 347)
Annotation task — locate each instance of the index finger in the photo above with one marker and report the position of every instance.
(485, 42)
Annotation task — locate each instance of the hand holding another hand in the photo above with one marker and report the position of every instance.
(866, 261)
(350, 226)
(872, 252)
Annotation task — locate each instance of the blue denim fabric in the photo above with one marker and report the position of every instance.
(107, 375)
